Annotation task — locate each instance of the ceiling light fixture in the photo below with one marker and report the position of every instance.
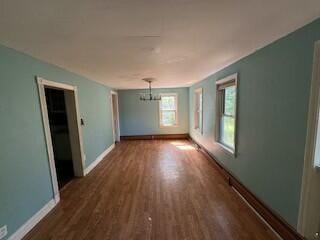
(149, 96)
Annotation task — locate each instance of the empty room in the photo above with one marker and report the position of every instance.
(159, 120)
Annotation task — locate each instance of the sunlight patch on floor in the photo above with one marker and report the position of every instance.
(182, 145)
(169, 169)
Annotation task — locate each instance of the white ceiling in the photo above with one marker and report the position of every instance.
(118, 42)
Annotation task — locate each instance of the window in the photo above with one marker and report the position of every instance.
(168, 110)
(226, 92)
(198, 110)
(317, 144)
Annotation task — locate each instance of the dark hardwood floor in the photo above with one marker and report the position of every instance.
(160, 190)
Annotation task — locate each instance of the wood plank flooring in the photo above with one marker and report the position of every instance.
(157, 189)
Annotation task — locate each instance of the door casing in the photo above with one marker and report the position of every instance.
(115, 115)
(309, 212)
(74, 124)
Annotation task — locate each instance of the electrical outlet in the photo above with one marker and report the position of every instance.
(3, 231)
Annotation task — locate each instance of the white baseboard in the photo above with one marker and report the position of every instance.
(25, 228)
(98, 160)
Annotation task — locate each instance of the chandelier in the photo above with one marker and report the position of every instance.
(149, 96)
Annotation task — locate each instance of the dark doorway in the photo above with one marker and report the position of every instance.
(58, 121)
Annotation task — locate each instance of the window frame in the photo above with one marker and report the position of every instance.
(196, 110)
(175, 95)
(231, 80)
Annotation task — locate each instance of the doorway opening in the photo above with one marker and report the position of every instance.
(58, 121)
(115, 116)
(62, 127)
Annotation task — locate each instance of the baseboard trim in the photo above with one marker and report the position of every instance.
(260, 217)
(278, 224)
(98, 159)
(156, 137)
(34, 220)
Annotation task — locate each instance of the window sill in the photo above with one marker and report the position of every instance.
(169, 126)
(226, 149)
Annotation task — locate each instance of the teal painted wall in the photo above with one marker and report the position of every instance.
(274, 87)
(25, 183)
(142, 117)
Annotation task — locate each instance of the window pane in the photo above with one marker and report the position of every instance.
(317, 146)
(200, 112)
(227, 131)
(196, 119)
(168, 103)
(229, 100)
(197, 113)
(168, 118)
(196, 100)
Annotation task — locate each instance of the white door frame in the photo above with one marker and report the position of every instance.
(115, 138)
(42, 84)
(306, 210)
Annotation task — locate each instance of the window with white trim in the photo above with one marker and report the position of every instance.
(226, 92)
(317, 144)
(198, 109)
(168, 110)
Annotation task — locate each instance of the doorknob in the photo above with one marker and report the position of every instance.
(316, 236)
